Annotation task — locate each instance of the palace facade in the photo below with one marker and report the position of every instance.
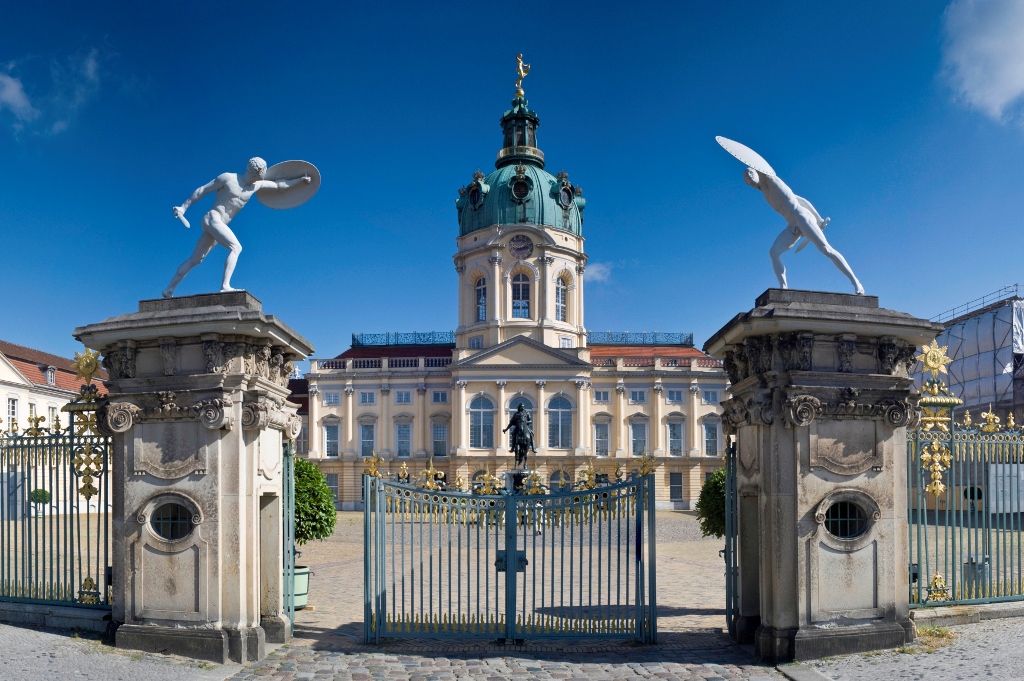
(600, 398)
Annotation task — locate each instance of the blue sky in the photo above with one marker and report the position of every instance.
(901, 121)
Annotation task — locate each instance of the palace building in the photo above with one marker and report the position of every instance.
(604, 399)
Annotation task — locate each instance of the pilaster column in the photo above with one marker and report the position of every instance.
(349, 425)
(540, 428)
(582, 417)
(385, 434)
(496, 299)
(460, 419)
(657, 436)
(579, 305)
(620, 421)
(317, 448)
(692, 426)
(421, 430)
(464, 307)
(500, 438)
(543, 304)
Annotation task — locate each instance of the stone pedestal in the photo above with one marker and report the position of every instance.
(198, 410)
(820, 403)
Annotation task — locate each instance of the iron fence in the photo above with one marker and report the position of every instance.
(55, 510)
(537, 564)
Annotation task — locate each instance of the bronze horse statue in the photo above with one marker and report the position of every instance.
(521, 424)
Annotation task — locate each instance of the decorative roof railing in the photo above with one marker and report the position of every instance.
(641, 338)
(1004, 293)
(403, 338)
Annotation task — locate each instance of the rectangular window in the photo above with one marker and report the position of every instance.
(332, 399)
(565, 342)
(639, 439)
(366, 440)
(440, 439)
(481, 429)
(367, 397)
(31, 410)
(637, 396)
(601, 439)
(476, 342)
(600, 395)
(675, 486)
(12, 413)
(332, 484)
(403, 439)
(711, 439)
(302, 441)
(675, 395)
(710, 397)
(707, 476)
(560, 429)
(440, 397)
(403, 397)
(520, 297)
(675, 439)
(54, 418)
(331, 440)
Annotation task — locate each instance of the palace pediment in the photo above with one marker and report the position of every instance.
(522, 351)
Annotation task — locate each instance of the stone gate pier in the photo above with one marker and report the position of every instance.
(820, 403)
(198, 411)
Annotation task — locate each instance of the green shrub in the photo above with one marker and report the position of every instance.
(711, 505)
(39, 496)
(314, 503)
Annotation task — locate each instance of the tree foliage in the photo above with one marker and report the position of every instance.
(314, 503)
(39, 496)
(711, 505)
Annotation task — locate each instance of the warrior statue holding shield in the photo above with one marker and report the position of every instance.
(284, 185)
(521, 424)
(802, 220)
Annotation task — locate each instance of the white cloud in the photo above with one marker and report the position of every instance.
(599, 271)
(53, 106)
(983, 54)
(13, 97)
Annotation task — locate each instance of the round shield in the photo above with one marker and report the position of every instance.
(745, 154)
(293, 196)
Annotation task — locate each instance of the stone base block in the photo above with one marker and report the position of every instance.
(199, 644)
(746, 628)
(811, 644)
(55, 616)
(278, 629)
(247, 645)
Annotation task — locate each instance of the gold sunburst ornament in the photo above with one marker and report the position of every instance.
(934, 358)
(87, 364)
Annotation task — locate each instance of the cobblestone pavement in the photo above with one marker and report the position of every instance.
(989, 650)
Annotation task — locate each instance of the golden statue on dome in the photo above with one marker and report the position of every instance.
(522, 69)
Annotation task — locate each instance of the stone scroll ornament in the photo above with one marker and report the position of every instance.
(802, 220)
(119, 417)
(285, 185)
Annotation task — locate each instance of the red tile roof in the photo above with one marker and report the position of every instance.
(645, 351)
(361, 352)
(33, 363)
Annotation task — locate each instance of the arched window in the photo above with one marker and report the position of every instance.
(481, 423)
(513, 406)
(560, 480)
(560, 290)
(481, 299)
(559, 423)
(479, 476)
(520, 296)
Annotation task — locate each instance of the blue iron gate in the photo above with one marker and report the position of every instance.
(55, 510)
(571, 564)
(732, 569)
(288, 531)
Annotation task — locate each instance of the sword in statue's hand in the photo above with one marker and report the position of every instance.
(180, 214)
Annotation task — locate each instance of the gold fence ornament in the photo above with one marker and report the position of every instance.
(647, 465)
(937, 589)
(533, 485)
(373, 460)
(34, 430)
(403, 473)
(935, 459)
(588, 476)
(1009, 421)
(934, 358)
(967, 419)
(88, 462)
(991, 421)
(428, 478)
(87, 365)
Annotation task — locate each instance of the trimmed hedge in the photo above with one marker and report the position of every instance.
(711, 505)
(314, 503)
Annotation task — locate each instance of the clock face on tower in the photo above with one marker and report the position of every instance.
(520, 247)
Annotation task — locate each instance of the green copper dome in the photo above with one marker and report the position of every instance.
(520, 190)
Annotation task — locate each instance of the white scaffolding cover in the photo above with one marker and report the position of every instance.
(982, 349)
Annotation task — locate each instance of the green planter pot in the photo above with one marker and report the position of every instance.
(301, 585)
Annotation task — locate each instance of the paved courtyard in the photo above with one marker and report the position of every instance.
(691, 645)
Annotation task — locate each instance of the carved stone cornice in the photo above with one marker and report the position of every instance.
(800, 409)
(213, 413)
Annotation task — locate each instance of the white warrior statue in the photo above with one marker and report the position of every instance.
(234, 191)
(802, 220)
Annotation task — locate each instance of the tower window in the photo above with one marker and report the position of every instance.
(560, 300)
(520, 189)
(481, 299)
(520, 297)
